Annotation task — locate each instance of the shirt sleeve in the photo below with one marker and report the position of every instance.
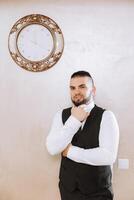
(106, 153)
(61, 135)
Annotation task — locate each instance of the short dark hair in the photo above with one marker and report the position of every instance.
(82, 74)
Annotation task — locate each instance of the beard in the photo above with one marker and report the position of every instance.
(83, 101)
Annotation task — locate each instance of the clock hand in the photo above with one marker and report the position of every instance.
(37, 44)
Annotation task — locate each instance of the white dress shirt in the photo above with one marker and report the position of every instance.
(61, 135)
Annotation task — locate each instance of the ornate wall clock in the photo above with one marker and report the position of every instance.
(35, 42)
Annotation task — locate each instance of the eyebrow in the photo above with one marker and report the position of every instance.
(82, 85)
(71, 86)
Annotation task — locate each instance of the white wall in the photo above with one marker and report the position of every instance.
(98, 38)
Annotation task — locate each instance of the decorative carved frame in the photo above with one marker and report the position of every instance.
(58, 41)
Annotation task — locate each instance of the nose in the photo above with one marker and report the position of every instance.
(77, 91)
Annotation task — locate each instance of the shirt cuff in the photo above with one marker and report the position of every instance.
(73, 123)
(75, 153)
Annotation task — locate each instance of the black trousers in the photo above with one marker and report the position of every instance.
(77, 195)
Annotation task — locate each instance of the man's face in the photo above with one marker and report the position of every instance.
(81, 90)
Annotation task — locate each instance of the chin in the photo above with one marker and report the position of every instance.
(77, 103)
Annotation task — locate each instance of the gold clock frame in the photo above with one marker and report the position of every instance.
(58, 43)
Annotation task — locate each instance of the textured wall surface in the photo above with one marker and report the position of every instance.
(98, 38)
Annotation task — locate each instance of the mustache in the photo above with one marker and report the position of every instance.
(78, 95)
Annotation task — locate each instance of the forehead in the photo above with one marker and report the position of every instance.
(79, 81)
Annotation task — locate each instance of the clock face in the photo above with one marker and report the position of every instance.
(35, 42)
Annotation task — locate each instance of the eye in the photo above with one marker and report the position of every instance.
(82, 86)
(72, 88)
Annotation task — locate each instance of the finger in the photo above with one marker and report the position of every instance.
(88, 114)
(82, 106)
(72, 107)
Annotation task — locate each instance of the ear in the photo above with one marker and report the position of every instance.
(94, 90)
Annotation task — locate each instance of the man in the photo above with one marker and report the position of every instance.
(87, 137)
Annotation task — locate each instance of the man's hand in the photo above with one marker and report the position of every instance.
(79, 113)
(64, 153)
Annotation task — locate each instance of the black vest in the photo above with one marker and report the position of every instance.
(88, 178)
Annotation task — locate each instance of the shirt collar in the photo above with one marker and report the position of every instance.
(89, 107)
